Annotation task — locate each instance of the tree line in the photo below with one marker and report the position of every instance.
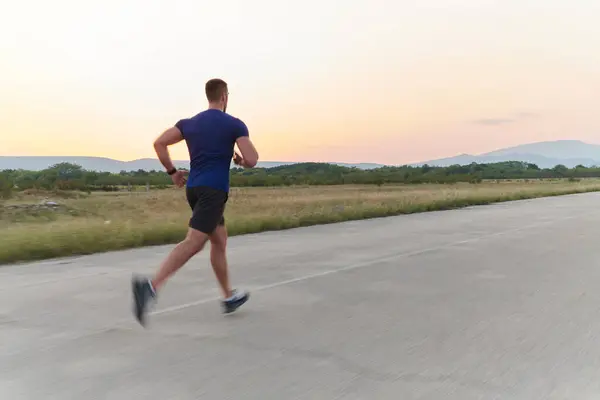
(66, 176)
(328, 174)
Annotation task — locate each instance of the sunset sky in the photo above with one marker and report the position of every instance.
(387, 81)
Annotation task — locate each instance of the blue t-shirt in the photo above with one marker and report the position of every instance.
(210, 137)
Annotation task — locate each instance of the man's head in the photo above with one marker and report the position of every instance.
(217, 93)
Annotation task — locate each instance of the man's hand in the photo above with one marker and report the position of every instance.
(249, 156)
(179, 178)
(237, 159)
(241, 161)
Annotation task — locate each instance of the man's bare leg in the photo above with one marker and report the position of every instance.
(218, 258)
(144, 289)
(233, 299)
(181, 254)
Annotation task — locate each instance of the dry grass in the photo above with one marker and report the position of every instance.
(109, 221)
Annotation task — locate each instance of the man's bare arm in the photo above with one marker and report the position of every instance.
(249, 153)
(169, 137)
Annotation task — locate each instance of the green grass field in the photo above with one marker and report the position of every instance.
(84, 224)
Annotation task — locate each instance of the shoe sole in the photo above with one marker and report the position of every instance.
(137, 298)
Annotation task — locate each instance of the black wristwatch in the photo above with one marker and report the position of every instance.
(172, 171)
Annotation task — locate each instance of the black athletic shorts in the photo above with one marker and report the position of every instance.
(208, 206)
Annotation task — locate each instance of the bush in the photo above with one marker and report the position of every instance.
(6, 187)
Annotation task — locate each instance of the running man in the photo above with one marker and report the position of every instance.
(211, 137)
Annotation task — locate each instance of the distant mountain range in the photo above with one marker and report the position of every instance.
(545, 154)
(569, 153)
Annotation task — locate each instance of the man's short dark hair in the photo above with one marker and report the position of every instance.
(215, 88)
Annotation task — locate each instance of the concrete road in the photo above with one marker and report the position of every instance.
(495, 302)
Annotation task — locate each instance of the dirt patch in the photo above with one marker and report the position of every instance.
(45, 211)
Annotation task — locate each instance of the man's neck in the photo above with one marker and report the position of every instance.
(215, 107)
